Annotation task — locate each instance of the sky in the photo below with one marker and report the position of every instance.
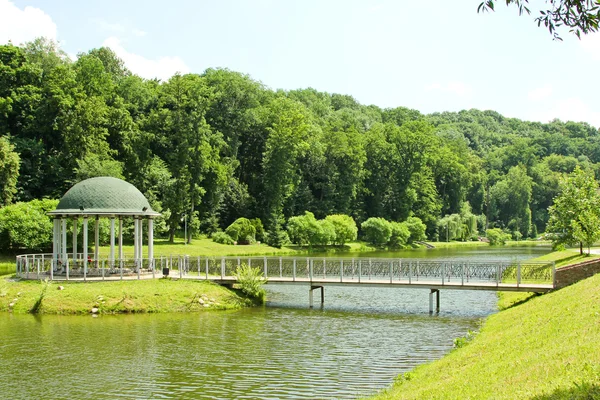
(432, 56)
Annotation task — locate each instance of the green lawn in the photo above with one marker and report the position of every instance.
(546, 348)
(129, 296)
(203, 247)
(7, 265)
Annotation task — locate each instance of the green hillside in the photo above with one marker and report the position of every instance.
(546, 348)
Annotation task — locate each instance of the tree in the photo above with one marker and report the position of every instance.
(9, 171)
(450, 227)
(575, 214)
(191, 150)
(510, 200)
(287, 130)
(581, 16)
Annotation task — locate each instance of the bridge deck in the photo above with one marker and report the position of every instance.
(423, 284)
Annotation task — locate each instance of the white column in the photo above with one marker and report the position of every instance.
(97, 241)
(55, 242)
(75, 241)
(120, 239)
(59, 239)
(151, 243)
(63, 246)
(112, 241)
(140, 240)
(135, 239)
(85, 244)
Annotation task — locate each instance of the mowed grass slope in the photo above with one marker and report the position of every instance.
(546, 348)
(560, 259)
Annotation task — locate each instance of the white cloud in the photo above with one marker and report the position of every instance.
(540, 93)
(456, 87)
(21, 26)
(138, 32)
(569, 109)
(107, 26)
(163, 68)
(591, 44)
(119, 28)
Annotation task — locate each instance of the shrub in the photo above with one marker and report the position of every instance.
(497, 236)
(344, 226)
(26, 225)
(376, 231)
(416, 228)
(251, 281)
(277, 237)
(324, 234)
(307, 230)
(259, 228)
(222, 237)
(399, 235)
(242, 231)
(299, 228)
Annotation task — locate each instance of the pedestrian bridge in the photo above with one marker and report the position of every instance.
(429, 274)
(315, 273)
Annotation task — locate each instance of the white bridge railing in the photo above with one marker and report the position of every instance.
(294, 269)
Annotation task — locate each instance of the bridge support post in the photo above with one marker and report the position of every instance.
(437, 301)
(310, 295)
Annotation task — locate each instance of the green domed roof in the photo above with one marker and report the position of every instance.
(104, 195)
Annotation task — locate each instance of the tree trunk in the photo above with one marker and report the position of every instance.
(581, 248)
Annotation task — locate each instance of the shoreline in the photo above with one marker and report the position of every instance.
(498, 346)
(116, 297)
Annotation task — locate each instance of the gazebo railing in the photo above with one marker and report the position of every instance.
(42, 266)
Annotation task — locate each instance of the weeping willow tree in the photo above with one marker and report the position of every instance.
(450, 227)
(461, 226)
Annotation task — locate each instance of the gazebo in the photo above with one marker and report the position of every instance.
(101, 197)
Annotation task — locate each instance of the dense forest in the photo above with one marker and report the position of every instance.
(219, 145)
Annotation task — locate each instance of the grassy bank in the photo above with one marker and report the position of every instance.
(546, 348)
(144, 296)
(560, 259)
(444, 245)
(515, 243)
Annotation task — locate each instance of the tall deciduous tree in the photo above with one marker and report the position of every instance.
(191, 149)
(575, 214)
(510, 200)
(287, 130)
(9, 171)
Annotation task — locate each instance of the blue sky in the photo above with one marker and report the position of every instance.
(431, 56)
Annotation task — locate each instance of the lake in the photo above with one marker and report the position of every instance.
(355, 345)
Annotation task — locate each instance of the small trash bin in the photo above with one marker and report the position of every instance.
(166, 271)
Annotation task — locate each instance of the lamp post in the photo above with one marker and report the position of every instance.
(184, 219)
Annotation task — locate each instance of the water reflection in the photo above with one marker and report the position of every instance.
(259, 353)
